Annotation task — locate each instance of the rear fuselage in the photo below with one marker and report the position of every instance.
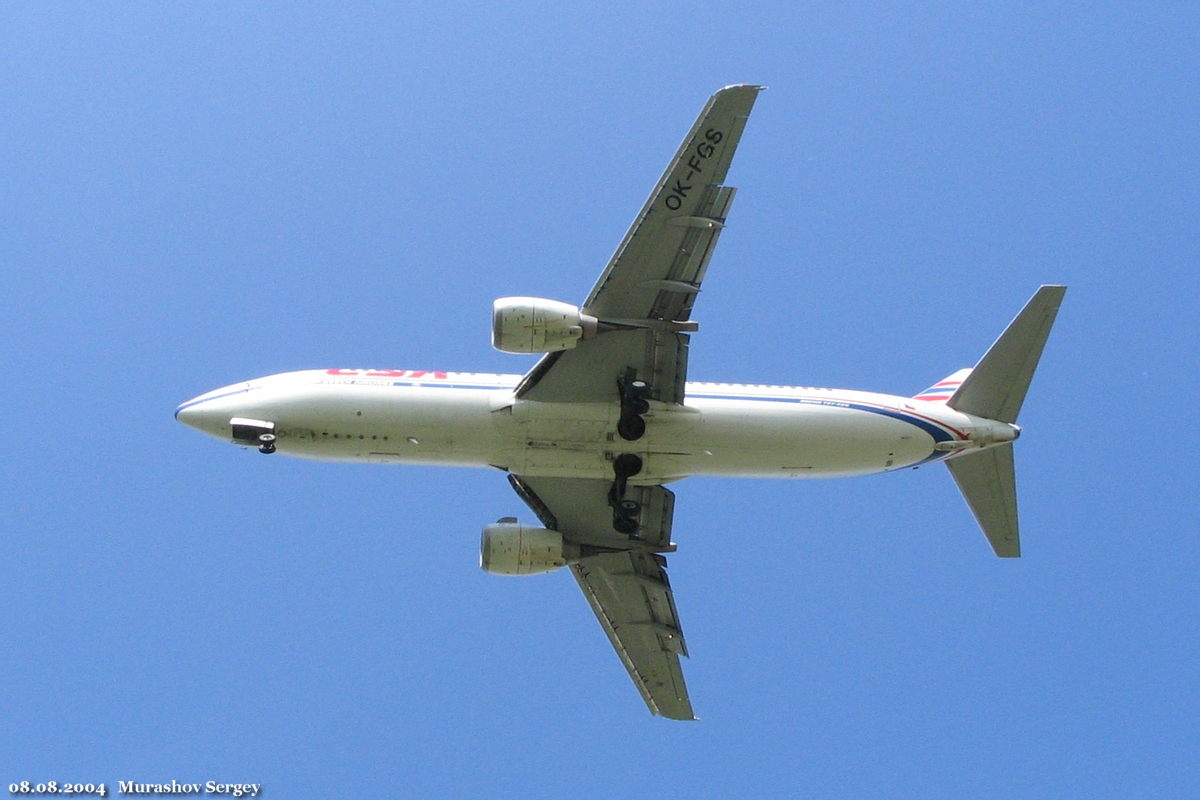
(469, 419)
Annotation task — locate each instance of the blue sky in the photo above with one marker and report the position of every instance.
(195, 194)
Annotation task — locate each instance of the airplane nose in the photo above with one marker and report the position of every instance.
(203, 417)
(210, 413)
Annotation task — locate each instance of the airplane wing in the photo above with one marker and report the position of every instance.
(631, 597)
(644, 302)
(652, 280)
(625, 582)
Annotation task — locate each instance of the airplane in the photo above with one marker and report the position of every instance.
(590, 437)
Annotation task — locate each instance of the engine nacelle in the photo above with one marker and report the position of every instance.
(509, 548)
(534, 325)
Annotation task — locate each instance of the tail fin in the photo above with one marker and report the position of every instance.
(996, 388)
(944, 389)
(988, 482)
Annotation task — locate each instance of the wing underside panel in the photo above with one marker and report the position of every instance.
(626, 586)
(589, 373)
(578, 508)
(656, 272)
(631, 597)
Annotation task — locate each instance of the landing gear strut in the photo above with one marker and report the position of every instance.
(625, 512)
(635, 401)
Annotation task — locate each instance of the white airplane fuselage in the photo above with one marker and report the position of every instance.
(475, 420)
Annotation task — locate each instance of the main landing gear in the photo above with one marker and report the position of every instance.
(266, 443)
(635, 401)
(625, 511)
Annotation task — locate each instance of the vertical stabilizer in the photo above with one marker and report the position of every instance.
(988, 483)
(944, 389)
(996, 388)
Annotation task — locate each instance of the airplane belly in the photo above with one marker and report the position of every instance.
(559, 439)
(414, 425)
(803, 440)
(746, 438)
(465, 427)
(790, 438)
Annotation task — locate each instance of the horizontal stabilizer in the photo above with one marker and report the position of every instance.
(988, 483)
(996, 388)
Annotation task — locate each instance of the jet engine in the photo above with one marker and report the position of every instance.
(509, 548)
(534, 325)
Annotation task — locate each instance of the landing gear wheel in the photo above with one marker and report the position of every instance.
(266, 443)
(637, 394)
(625, 510)
(635, 401)
(267, 448)
(631, 428)
(627, 465)
(625, 525)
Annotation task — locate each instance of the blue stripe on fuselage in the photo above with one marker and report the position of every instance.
(205, 399)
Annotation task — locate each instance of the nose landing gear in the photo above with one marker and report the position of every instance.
(250, 432)
(625, 511)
